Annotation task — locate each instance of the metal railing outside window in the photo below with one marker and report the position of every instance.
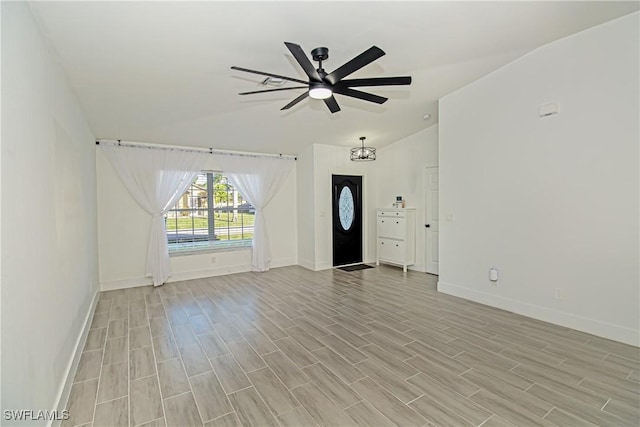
(211, 213)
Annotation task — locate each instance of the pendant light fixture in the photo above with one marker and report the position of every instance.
(363, 154)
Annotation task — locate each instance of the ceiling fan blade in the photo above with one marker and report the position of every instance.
(376, 81)
(246, 70)
(332, 104)
(273, 90)
(295, 101)
(359, 94)
(365, 58)
(303, 60)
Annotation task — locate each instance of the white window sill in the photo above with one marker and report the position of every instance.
(182, 249)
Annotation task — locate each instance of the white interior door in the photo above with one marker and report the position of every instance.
(431, 220)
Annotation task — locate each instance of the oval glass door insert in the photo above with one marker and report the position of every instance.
(346, 210)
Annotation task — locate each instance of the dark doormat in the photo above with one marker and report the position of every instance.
(355, 267)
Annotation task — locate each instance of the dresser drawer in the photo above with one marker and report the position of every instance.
(394, 214)
(392, 250)
(394, 227)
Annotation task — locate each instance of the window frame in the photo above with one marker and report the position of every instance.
(210, 242)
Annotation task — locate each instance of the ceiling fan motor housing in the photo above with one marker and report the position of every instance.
(320, 54)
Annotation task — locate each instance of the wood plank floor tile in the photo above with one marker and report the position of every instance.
(229, 420)
(437, 413)
(145, 402)
(165, 347)
(295, 352)
(304, 339)
(500, 388)
(335, 389)
(574, 407)
(89, 366)
(512, 377)
(458, 403)
(348, 336)
(95, 339)
(212, 345)
(273, 392)
(562, 418)
(389, 362)
(338, 365)
(118, 328)
(114, 413)
(319, 406)
(250, 408)
(298, 417)
(507, 409)
(194, 360)
(388, 404)
(246, 356)
(141, 363)
(181, 410)
(139, 337)
(400, 388)
(344, 349)
(81, 403)
(210, 396)
(114, 382)
(629, 413)
(351, 324)
(160, 422)
(229, 373)
(261, 343)
(285, 369)
(172, 377)
(115, 351)
(365, 415)
(548, 380)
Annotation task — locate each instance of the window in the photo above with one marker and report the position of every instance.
(210, 214)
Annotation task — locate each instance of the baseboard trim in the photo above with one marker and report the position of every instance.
(309, 265)
(190, 275)
(65, 388)
(580, 323)
(125, 283)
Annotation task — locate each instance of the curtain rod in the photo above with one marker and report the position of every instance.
(191, 149)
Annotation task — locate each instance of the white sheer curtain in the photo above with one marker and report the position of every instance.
(156, 179)
(258, 179)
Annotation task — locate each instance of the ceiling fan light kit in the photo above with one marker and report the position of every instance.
(362, 153)
(319, 90)
(321, 85)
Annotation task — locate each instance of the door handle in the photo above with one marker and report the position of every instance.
(427, 225)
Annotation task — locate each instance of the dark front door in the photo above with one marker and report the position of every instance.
(347, 219)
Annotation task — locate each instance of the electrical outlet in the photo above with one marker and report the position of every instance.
(213, 260)
(558, 294)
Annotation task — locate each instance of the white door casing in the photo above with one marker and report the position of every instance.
(431, 224)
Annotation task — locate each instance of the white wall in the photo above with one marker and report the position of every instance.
(49, 239)
(123, 230)
(551, 202)
(320, 163)
(306, 209)
(400, 171)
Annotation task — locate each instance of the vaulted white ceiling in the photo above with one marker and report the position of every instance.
(160, 71)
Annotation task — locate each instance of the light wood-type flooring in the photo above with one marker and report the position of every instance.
(376, 347)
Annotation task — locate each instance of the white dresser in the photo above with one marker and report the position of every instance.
(395, 231)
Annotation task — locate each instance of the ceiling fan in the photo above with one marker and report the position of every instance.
(323, 85)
